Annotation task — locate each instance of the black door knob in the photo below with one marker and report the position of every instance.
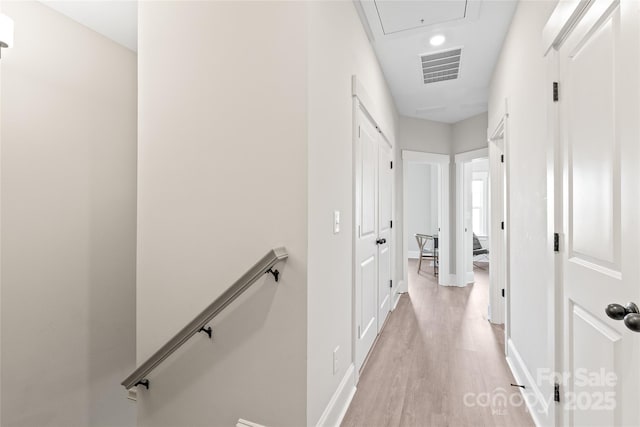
(632, 321)
(617, 312)
(629, 313)
(381, 241)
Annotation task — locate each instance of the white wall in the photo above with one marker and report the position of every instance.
(424, 135)
(222, 179)
(338, 48)
(421, 202)
(519, 78)
(68, 188)
(470, 134)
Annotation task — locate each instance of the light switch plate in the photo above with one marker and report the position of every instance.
(336, 222)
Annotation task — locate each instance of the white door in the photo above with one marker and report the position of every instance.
(598, 121)
(366, 228)
(385, 180)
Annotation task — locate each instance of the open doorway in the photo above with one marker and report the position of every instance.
(480, 214)
(422, 216)
(473, 214)
(426, 215)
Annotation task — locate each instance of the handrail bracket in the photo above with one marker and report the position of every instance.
(276, 273)
(207, 330)
(144, 382)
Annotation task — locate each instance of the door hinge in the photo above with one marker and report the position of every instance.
(556, 392)
(502, 292)
(391, 165)
(359, 335)
(502, 225)
(390, 224)
(501, 158)
(391, 283)
(556, 97)
(556, 242)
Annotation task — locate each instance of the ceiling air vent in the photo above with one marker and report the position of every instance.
(441, 66)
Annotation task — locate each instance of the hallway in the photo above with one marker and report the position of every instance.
(438, 362)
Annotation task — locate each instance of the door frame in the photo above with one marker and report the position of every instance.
(463, 246)
(362, 102)
(555, 194)
(392, 300)
(499, 310)
(443, 162)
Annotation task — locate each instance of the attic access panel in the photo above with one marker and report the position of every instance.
(402, 15)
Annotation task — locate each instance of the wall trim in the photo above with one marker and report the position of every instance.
(245, 423)
(468, 156)
(358, 91)
(402, 287)
(395, 300)
(561, 22)
(470, 277)
(531, 394)
(499, 255)
(340, 401)
(450, 280)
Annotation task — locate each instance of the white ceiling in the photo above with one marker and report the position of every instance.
(114, 19)
(400, 33)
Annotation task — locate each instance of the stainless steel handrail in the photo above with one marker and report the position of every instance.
(265, 265)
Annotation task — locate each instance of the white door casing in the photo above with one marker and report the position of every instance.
(385, 183)
(498, 256)
(366, 229)
(373, 269)
(597, 47)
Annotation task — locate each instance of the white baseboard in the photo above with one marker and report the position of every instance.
(449, 280)
(470, 278)
(395, 301)
(537, 405)
(402, 287)
(340, 401)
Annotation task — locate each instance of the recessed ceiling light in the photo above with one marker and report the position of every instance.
(437, 40)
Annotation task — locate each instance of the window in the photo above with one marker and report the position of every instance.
(479, 203)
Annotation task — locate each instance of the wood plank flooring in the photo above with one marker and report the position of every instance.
(438, 362)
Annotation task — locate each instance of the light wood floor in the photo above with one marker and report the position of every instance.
(438, 362)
